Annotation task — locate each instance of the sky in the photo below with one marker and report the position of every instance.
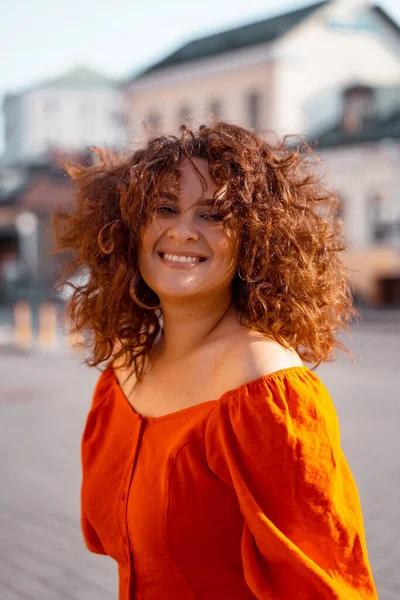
(42, 39)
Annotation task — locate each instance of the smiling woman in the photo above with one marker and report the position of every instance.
(288, 281)
(211, 456)
(186, 252)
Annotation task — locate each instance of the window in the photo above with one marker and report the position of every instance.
(378, 218)
(358, 109)
(340, 211)
(51, 108)
(254, 110)
(87, 109)
(215, 108)
(339, 216)
(153, 122)
(185, 115)
(48, 143)
(116, 118)
(9, 131)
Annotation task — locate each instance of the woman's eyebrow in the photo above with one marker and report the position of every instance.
(175, 198)
(169, 196)
(205, 201)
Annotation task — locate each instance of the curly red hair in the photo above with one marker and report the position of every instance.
(292, 286)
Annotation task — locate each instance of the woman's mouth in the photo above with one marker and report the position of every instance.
(175, 260)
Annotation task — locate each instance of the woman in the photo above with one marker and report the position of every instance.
(212, 465)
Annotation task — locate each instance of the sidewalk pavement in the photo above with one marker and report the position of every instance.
(44, 401)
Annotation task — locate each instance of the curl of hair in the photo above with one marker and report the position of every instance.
(292, 285)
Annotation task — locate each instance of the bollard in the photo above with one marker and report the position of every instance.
(47, 335)
(23, 334)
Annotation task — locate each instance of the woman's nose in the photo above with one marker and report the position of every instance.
(183, 228)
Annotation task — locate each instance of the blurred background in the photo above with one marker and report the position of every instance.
(79, 74)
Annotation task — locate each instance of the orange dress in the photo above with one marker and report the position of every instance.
(248, 496)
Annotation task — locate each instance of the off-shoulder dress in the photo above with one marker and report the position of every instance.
(246, 496)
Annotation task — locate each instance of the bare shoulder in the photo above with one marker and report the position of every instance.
(251, 355)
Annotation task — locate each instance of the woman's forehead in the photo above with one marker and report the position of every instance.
(189, 170)
(195, 177)
(190, 178)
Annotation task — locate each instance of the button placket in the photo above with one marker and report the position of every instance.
(124, 538)
(125, 497)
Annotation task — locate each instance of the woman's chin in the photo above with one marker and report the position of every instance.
(178, 295)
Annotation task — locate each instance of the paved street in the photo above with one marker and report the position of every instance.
(44, 399)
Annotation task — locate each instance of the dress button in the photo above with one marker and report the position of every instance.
(123, 496)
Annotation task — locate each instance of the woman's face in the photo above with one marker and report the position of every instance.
(184, 229)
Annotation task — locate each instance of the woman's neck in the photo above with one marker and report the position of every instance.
(186, 328)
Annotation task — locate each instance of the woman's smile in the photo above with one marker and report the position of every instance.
(175, 260)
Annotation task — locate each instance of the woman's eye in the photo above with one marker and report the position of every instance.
(212, 216)
(165, 210)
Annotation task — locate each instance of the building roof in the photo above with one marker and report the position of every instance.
(387, 18)
(265, 31)
(260, 32)
(76, 78)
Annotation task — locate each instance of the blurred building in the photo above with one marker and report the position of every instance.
(263, 75)
(28, 194)
(361, 150)
(69, 113)
(330, 71)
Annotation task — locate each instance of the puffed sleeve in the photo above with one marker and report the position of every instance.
(88, 457)
(276, 442)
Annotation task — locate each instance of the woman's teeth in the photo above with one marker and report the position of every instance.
(182, 259)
